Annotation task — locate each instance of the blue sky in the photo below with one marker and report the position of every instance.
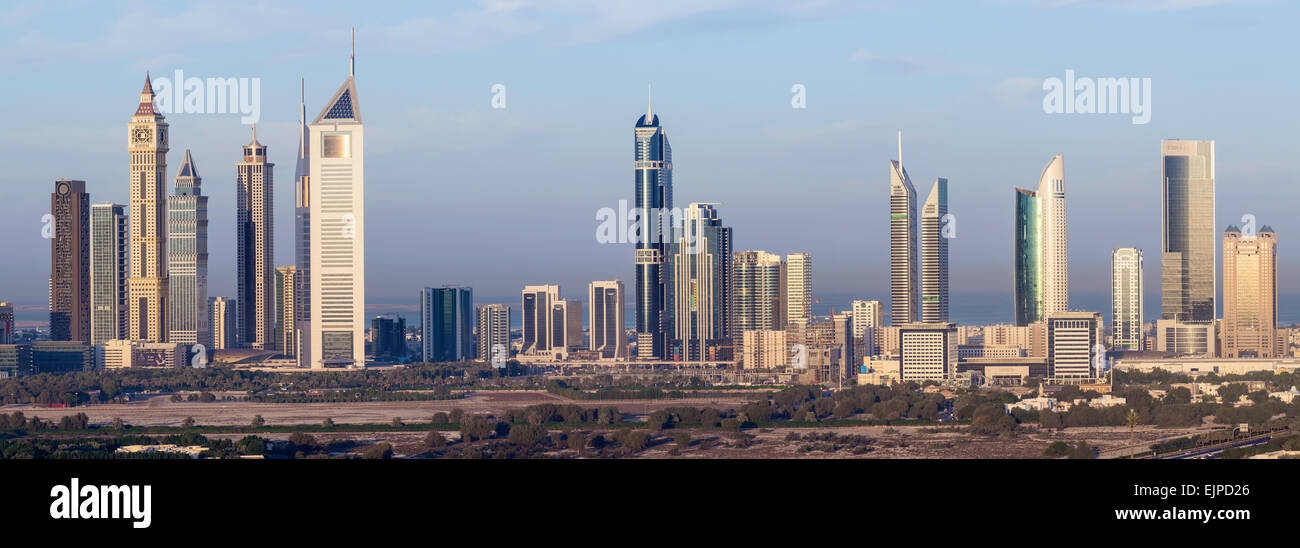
(460, 193)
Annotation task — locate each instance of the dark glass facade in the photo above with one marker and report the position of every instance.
(654, 194)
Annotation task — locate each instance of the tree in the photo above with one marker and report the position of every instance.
(1056, 449)
(476, 428)
(251, 445)
(577, 441)
(1082, 451)
(119, 424)
(258, 422)
(188, 422)
(327, 423)
(302, 440)
(528, 434)
(683, 439)
(397, 422)
(435, 440)
(439, 418)
(382, 450)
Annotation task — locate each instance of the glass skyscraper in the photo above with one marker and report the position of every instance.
(1188, 239)
(187, 259)
(1040, 258)
(698, 283)
(446, 324)
(934, 254)
(108, 249)
(653, 169)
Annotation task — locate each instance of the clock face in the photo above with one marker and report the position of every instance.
(141, 136)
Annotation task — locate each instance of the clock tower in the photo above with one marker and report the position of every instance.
(147, 285)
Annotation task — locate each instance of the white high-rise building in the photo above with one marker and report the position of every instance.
(758, 292)
(493, 332)
(798, 288)
(1072, 340)
(337, 271)
(927, 351)
(1126, 298)
(221, 319)
(903, 287)
(187, 258)
(606, 320)
(866, 314)
(108, 272)
(1055, 258)
(934, 254)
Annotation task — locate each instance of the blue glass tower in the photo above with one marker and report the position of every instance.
(653, 165)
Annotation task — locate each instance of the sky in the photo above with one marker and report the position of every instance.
(459, 192)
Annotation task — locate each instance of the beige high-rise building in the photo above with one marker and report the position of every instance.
(147, 288)
(493, 333)
(606, 319)
(927, 351)
(868, 316)
(1249, 327)
(758, 291)
(798, 288)
(764, 349)
(286, 329)
(535, 306)
(221, 319)
(255, 275)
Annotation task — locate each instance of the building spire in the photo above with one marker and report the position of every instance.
(649, 109)
(900, 148)
(352, 67)
(148, 86)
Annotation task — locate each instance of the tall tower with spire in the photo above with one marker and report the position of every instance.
(147, 286)
(934, 254)
(255, 277)
(653, 187)
(336, 271)
(903, 286)
(187, 258)
(301, 232)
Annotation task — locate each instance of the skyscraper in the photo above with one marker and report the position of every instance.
(934, 254)
(1249, 294)
(536, 310)
(606, 318)
(566, 326)
(447, 324)
(493, 332)
(337, 272)
(286, 329)
(187, 258)
(1187, 278)
(70, 262)
(147, 287)
(653, 178)
(6, 323)
(108, 257)
(302, 236)
(222, 314)
(254, 200)
(1126, 298)
(758, 292)
(866, 314)
(903, 287)
(1072, 338)
(1041, 259)
(698, 282)
(388, 336)
(798, 289)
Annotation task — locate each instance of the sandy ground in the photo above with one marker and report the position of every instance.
(161, 411)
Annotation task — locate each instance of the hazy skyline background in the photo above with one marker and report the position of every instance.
(460, 193)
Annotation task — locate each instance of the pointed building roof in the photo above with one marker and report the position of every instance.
(146, 99)
(343, 106)
(188, 169)
(254, 143)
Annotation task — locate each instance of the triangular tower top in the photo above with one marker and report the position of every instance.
(343, 106)
(188, 168)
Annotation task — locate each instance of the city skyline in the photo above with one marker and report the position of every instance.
(977, 269)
